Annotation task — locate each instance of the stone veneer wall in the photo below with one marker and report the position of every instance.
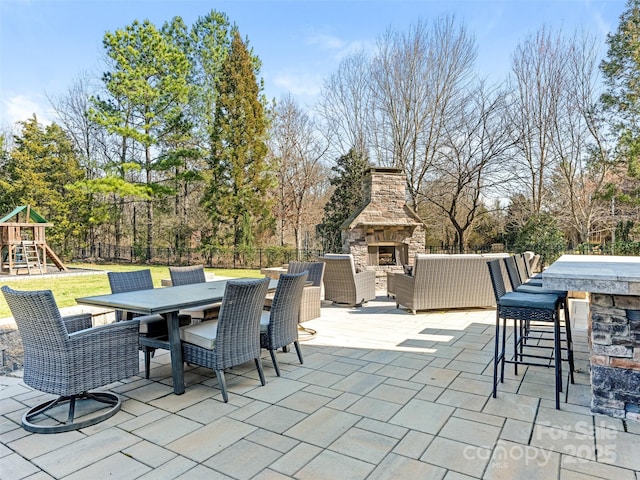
(615, 355)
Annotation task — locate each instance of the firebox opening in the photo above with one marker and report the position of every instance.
(384, 255)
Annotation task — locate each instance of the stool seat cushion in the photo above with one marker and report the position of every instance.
(529, 300)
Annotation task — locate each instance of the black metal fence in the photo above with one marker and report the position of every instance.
(218, 258)
(276, 256)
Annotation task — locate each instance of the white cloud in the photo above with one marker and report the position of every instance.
(304, 84)
(325, 42)
(19, 108)
(338, 47)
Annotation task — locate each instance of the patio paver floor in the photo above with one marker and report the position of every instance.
(381, 394)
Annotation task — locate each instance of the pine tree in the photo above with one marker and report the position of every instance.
(346, 198)
(147, 87)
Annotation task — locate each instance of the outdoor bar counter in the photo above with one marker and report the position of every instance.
(613, 284)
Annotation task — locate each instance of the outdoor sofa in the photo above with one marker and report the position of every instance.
(444, 282)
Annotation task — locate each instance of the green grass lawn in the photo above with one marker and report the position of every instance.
(67, 288)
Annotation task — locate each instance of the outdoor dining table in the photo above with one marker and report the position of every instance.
(166, 301)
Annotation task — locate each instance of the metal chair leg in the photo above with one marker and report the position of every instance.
(496, 358)
(223, 385)
(260, 371)
(275, 362)
(297, 345)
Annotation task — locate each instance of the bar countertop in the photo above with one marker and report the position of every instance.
(618, 275)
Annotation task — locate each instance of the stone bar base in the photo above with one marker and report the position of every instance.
(615, 355)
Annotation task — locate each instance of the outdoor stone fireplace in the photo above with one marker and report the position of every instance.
(385, 233)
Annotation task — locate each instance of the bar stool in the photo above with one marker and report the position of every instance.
(533, 286)
(523, 308)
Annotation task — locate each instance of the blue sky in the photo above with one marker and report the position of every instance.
(46, 44)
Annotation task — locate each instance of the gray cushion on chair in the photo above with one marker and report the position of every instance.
(265, 318)
(209, 311)
(201, 334)
(528, 300)
(152, 325)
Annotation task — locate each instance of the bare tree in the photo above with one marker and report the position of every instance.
(580, 143)
(94, 145)
(538, 80)
(562, 158)
(297, 151)
(475, 145)
(72, 110)
(418, 80)
(345, 105)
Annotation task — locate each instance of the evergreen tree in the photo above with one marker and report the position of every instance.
(541, 234)
(345, 199)
(240, 178)
(621, 70)
(38, 172)
(210, 45)
(517, 214)
(147, 87)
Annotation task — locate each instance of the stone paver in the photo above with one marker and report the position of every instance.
(457, 456)
(364, 445)
(381, 394)
(323, 427)
(513, 460)
(423, 416)
(243, 459)
(333, 465)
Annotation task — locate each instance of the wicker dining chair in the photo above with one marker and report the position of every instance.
(279, 325)
(188, 275)
(310, 306)
(234, 338)
(150, 325)
(67, 357)
(312, 294)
